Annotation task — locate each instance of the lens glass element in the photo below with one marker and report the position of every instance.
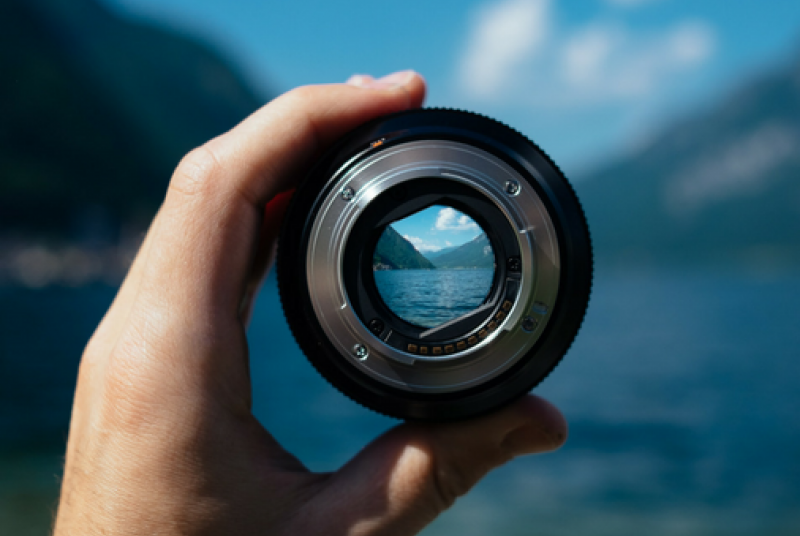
(433, 266)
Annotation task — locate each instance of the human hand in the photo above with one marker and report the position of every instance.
(162, 438)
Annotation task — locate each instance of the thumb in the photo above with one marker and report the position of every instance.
(408, 476)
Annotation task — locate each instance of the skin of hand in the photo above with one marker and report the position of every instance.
(162, 439)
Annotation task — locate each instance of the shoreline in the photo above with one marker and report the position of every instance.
(36, 265)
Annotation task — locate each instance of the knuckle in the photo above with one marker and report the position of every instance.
(196, 172)
(450, 481)
(452, 476)
(455, 472)
(302, 94)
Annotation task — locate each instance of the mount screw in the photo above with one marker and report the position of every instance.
(512, 188)
(529, 323)
(360, 351)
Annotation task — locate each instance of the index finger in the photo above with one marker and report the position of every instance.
(205, 236)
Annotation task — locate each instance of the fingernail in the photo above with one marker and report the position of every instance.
(360, 80)
(399, 78)
(389, 81)
(532, 439)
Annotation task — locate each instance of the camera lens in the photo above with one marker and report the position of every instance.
(434, 331)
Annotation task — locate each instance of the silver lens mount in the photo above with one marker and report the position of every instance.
(537, 281)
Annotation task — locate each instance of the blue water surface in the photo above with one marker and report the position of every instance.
(681, 391)
(429, 298)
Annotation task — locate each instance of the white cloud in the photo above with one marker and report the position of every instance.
(600, 62)
(449, 219)
(421, 245)
(691, 42)
(504, 35)
(586, 54)
(607, 62)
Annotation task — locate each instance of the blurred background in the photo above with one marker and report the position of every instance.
(677, 120)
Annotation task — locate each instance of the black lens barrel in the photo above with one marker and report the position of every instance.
(345, 361)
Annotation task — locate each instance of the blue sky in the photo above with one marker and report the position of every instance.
(436, 228)
(585, 79)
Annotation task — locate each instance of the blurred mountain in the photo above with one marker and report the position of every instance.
(722, 186)
(394, 252)
(477, 253)
(96, 111)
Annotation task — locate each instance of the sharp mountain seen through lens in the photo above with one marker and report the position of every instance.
(433, 266)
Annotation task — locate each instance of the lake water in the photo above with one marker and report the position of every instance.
(431, 297)
(682, 392)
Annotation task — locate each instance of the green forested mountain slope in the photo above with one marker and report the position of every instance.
(432, 255)
(394, 252)
(477, 253)
(96, 112)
